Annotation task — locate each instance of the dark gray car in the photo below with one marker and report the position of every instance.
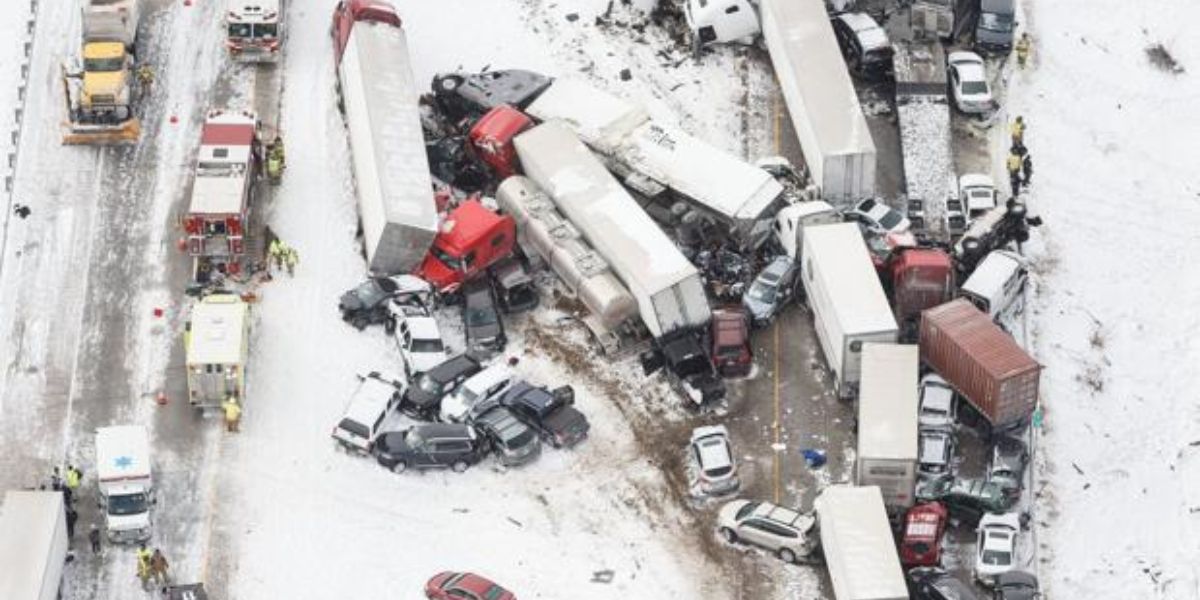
(932, 583)
(423, 398)
(515, 443)
(1009, 459)
(774, 287)
(1016, 585)
(485, 330)
(461, 95)
(430, 446)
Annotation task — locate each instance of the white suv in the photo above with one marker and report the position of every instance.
(713, 457)
(375, 397)
(483, 385)
(419, 339)
(784, 531)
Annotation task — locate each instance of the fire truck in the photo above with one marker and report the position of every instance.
(227, 169)
(216, 339)
(254, 30)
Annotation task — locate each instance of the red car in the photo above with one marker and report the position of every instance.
(449, 585)
(921, 545)
(731, 354)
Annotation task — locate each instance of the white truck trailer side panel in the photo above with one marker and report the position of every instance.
(33, 545)
(847, 300)
(859, 549)
(887, 422)
(666, 286)
(623, 132)
(821, 100)
(391, 171)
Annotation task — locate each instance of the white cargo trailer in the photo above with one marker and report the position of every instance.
(860, 551)
(821, 100)
(887, 423)
(847, 301)
(391, 171)
(543, 232)
(661, 161)
(668, 290)
(33, 545)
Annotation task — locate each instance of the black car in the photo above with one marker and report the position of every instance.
(514, 286)
(367, 303)
(1015, 585)
(932, 583)
(423, 398)
(461, 95)
(485, 330)
(514, 442)
(548, 412)
(430, 446)
(865, 45)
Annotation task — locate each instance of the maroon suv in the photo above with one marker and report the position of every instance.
(730, 350)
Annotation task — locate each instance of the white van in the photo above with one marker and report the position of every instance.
(125, 481)
(791, 220)
(997, 287)
(376, 396)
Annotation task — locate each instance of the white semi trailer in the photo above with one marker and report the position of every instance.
(662, 162)
(860, 551)
(887, 423)
(821, 100)
(391, 171)
(847, 301)
(33, 545)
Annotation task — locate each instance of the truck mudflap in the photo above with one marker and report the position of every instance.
(119, 133)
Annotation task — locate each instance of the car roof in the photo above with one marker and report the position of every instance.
(971, 71)
(780, 514)
(530, 394)
(444, 430)
(488, 377)
(501, 421)
(964, 58)
(452, 366)
(870, 34)
(371, 398)
(423, 328)
(712, 444)
(1009, 520)
(472, 583)
(934, 446)
(937, 394)
(777, 267)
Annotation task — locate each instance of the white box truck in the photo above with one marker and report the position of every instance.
(860, 551)
(847, 301)
(821, 100)
(217, 346)
(662, 162)
(125, 481)
(33, 545)
(387, 148)
(887, 423)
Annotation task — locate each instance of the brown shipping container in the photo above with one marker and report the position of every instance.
(981, 361)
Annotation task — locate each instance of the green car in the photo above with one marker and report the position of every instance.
(966, 498)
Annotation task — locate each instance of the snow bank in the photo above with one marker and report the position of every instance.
(1113, 140)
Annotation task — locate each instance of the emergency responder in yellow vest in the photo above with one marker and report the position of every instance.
(145, 77)
(1023, 48)
(73, 478)
(1014, 173)
(1018, 131)
(233, 414)
(275, 253)
(143, 564)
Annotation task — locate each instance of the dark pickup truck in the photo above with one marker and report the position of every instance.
(548, 412)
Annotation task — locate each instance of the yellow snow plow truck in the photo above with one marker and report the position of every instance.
(101, 91)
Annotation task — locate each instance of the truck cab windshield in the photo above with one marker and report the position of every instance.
(104, 65)
(240, 30)
(127, 504)
(266, 30)
(996, 22)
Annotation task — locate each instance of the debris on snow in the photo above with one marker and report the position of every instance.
(1160, 57)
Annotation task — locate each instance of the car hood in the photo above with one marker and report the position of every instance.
(424, 361)
(484, 332)
(350, 301)
(127, 522)
(401, 446)
(757, 308)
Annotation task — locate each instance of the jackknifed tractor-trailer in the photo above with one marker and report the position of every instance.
(101, 93)
(378, 97)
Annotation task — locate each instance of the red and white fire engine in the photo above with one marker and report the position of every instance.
(227, 170)
(254, 30)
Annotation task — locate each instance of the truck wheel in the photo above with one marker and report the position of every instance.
(400, 467)
(449, 84)
(729, 535)
(459, 466)
(787, 556)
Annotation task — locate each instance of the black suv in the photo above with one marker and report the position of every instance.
(485, 330)
(430, 446)
(932, 583)
(423, 398)
(514, 286)
(367, 303)
(548, 412)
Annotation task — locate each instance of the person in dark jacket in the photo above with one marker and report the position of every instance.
(72, 517)
(1026, 169)
(94, 538)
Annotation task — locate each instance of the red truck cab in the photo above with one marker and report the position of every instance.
(921, 545)
(491, 139)
(918, 279)
(350, 11)
(471, 239)
(731, 353)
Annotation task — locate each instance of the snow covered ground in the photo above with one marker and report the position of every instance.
(297, 518)
(1113, 139)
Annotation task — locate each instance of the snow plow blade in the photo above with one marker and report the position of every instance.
(125, 133)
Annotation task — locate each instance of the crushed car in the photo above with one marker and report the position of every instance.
(368, 302)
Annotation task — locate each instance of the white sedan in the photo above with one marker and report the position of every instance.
(713, 456)
(996, 546)
(879, 217)
(968, 81)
